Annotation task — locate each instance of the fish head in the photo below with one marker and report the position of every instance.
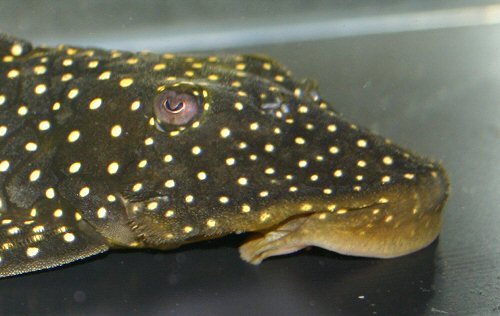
(234, 145)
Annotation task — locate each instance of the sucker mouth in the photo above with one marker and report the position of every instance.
(402, 221)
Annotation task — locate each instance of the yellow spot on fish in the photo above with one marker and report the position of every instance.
(40, 89)
(113, 167)
(66, 77)
(170, 183)
(35, 175)
(409, 176)
(132, 61)
(50, 193)
(13, 73)
(306, 207)
(331, 128)
(383, 200)
(254, 126)
(67, 62)
(264, 216)
(22, 110)
(279, 78)
(159, 67)
(300, 141)
(225, 132)
(242, 181)
(74, 167)
(84, 191)
(149, 141)
(269, 171)
(303, 109)
(95, 104)
(31, 146)
(269, 147)
(32, 251)
(230, 161)
(142, 163)
(44, 125)
(7, 245)
(16, 50)
(168, 158)
(73, 136)
(333, 150)
(73, 93)
(105, 75)
(135, 105)
(386, 179)
(338, 173)
(71, 51)
(40, 69)
(58, 213)
(361, 143)
(223, 199)
(126, 82)
(116, 131)
(196, 150)
(387, 160)
(102, 212)
(13, 230)
(152, 206)
(69, 237)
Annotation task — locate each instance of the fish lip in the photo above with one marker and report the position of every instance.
(407, 221)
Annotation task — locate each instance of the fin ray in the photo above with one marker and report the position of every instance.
(31, 243)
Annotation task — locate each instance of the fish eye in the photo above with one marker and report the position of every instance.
(176, 107)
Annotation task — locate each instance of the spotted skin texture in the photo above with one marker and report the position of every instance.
(85, 165)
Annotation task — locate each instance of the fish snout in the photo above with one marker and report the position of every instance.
(432, 190)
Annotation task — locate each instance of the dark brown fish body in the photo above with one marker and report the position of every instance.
(106, 149)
